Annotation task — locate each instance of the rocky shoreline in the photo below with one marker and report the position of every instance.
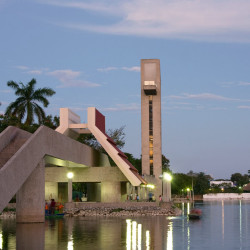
(124, 212)
(127, 210)
(8, 215)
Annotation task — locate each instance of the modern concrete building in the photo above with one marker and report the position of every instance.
(151, 123)
(33, 166)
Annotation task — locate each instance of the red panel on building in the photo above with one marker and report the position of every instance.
(100, 121)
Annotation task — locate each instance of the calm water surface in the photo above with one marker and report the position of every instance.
(224, 225)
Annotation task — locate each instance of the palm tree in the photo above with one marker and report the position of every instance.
(26, 103)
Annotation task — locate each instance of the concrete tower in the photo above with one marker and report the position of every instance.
(151, 121)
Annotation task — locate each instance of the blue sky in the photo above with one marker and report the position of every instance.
(89, 52)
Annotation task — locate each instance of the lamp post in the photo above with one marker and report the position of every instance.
(70, 176)
(167, 177)
(188, 193)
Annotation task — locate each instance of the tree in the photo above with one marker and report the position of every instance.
(240, 179)
(136, 162)
(26, 103)
(51, 122)
(165, 164)
(180, 183)
(201, 183)
(117, 135)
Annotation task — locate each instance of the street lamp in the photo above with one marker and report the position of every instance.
(188, 193)
(70, 175)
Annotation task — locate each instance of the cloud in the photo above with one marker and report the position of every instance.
(243, 107)
(231, 84)
(122, 107)
(107, 69)
(133, 69)
(68, 78)
(199, 20)
(244, 84)
(35, 72)
(22, 67)
(203, 96)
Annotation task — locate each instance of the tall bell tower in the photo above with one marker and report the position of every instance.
(151, 121)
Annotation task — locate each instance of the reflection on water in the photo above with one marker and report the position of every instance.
(170, 236)
(222, 207)
(224, 225)
(147, 240)
(1, 240)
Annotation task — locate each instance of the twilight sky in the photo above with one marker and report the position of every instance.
(89, 52)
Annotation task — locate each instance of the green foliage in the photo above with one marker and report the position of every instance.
(26, 105)
(201, 184)
(136, 162)
(180, 183)
(117, 135)
(51, 122)
(79, 186)
(165, 164)
(5, 121)
(240, 179)
(9, 209)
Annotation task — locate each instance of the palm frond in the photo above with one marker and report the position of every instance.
(39, 113)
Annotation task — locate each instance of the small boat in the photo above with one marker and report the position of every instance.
(54, 215)
(195, 213)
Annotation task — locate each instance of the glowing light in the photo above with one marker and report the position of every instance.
(188, 238)
(1, 241)
(134, 227)
(70, 175)
(188, 208)
(170, 237)
(167, 176)
(139, 231)
(151, 186)
(182, 208)
(188, 189)
(70, 243)
(147, 240)
(222, 189)
(129, 231)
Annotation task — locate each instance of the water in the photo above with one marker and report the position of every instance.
(224, 225)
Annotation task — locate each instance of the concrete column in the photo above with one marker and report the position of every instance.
(30, 236)
(30, 199)
(166, 191)
(110, 191)
(69, 190)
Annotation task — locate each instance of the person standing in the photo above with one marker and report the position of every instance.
(52, 206)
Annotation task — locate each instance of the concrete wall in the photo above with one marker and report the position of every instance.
(226, 196)
(51, 191)
(30, 197)
(84, 174)
(111, 191)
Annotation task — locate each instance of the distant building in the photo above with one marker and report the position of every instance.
(221, 183)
